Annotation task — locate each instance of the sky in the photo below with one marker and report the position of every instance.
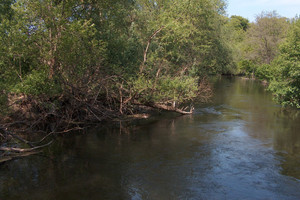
(250, 8)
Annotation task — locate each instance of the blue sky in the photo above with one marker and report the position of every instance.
(250, 8)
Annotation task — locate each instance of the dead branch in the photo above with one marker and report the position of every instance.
(147, 47)
(21, 150)
(13, 156)
(41, 140)
(15, 136)
(166, 107)
(172, 108)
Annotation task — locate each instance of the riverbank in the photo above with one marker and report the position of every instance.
(241, 145)
(28, 129)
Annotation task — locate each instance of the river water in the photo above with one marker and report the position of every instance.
(239, 146)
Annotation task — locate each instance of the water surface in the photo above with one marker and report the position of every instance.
(240, 146)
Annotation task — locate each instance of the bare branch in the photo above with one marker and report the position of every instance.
(147, 47)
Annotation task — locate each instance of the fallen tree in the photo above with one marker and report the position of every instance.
(174, 109)
(9, 153)
(78, 107)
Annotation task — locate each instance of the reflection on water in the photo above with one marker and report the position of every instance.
(239, 146)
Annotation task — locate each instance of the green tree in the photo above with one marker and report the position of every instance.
(236, 28)
(286, 81)
(181, 38)
(109, 54)
(265, 36)
(6, 12)
(44, 39)
(239, 23)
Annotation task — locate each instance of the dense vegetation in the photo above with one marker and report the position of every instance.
(269, 50)
(67, 62)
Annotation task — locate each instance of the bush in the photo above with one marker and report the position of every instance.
(247, 67)
(286, 93)
(166, 89)
(38, 83)
(286, 82)
(264, 72)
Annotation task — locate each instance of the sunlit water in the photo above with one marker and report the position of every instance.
(240, 146)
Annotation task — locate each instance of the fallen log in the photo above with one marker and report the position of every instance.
(172, 108)
(21, 150)
(6, 132)
(4, 159)
(166, 107)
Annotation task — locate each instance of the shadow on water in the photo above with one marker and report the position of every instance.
(239, 146)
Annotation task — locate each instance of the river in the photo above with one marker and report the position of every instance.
(241, 145)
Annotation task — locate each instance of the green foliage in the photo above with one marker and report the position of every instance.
(160, 48)
(166, 89)
(263, 58)
(256, 45)
(264, 37)
(6, 12)
(115, 25)
(285, 93)
(264, 72)
(247, 67)
(178, 89)
(38, 83)
(286, 82)
(239, 23)
(191, 35)
(236, 28)
(270, 54)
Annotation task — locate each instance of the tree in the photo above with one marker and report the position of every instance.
(6, 12)
(181, 39)
(48, 47)
(265, 36)
(236, 28)
(79, 60)
(286, 81)
(239, 22)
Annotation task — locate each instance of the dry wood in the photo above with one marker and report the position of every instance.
(6, 132)
(166, 107)
(21, 150)
(172, 108)
(4, 159)
(147, 47)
